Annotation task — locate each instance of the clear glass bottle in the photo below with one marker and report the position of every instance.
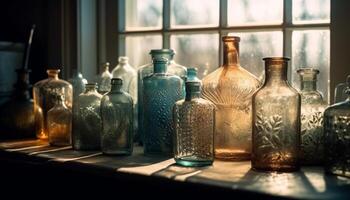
(89, 124)
(312, 108)
(59, 122)
(160, 92)
(44, 93)
(104, 82)
(192, 75)
(194, 120)
(147, 70)
(129, 76)
(230, 88)
(337, 136)
(276, 120)
(117, 120)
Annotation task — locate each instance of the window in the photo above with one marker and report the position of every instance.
(299, 29)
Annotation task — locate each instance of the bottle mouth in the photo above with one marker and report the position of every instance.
(162, 51)
(91, 85)
(123, 59)
(276, 59)
(160, 60)
(231, 38)
(117, 81)
(308, 70)
(53, 71)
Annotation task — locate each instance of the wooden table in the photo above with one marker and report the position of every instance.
(161, 172)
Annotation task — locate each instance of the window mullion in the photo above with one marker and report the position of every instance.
(287, 33)
(166, 24)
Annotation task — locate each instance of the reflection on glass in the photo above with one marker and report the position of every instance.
(254, 12)
(311, 11)
(138, 48)
(311, 48)
(143, 14)
(194, 13)
(256, 46)
(198, 50)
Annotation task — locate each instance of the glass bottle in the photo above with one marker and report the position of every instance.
(117, 120)
(337, 136)
(104, 84)
(59, 122)
(147, 70)
(87, 136)
(129, 76)
(312, 108)
(194, 120)
(276, 120)
(44, 93)
(160, 92)
(230, 88)
(78, 82)
(192, 75)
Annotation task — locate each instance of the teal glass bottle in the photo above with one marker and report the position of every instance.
(194, 120)
(117, 120)
(192, 75)
(146, 70)
(87, 136)
(160, 92)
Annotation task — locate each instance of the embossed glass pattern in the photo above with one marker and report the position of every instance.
(117, 120)
(276, 120)
(87, 136)
(230, 88)
(337, 136)
(160, 92)
(44, 93)
(194, 120)
(312, 108)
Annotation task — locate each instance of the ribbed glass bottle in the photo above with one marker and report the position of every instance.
(160, 92)
(230, 88)
(276, 120)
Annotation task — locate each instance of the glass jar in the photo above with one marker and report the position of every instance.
(147, 70)
(59, 122)
(104, 82)
(192, 75)
(87, 136)
(194, 120)
(276, 120)
(117, 120)
(230, 88)
(160, 92)
(312, 108)
(337, 136)
(44, 93)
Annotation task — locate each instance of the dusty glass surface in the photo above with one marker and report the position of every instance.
(230, 88)
(254, 12)
(138, 47)
(311, 11)
(194, 13)
(143, 14)
(198, 50)
(276, 120)
(312, 48)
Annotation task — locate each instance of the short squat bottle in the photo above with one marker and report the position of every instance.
(230, 88)
(194, 120)
(87, 136)
(312, 108)
(160, 92)
(117, 120)
(337, 136)
(59, 122)
(276, 120)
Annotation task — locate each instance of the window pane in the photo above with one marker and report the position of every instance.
(311, 49)
(143, 14)
(138, 48)
(256, 45)
(198, 50)
(311, 11)
(254, 12)
(186, 13)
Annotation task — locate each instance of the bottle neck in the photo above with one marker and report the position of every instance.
(157, 56)
(276, 73)
(90, 89)
(116, 88)
(192, 95)
(53, 75)
(308, 85)
(231, 53)
(160, 68)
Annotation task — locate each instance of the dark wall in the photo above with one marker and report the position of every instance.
(16, 19)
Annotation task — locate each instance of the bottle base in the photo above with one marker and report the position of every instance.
(276, 168)
(193, 162)
(232, 155)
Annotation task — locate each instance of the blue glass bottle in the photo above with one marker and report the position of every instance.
(161, 91)
(147, 70)
(192, 75)
(117, 120)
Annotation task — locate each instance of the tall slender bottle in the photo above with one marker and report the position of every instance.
(160, 92)
(104, 82)
(276, 120)
(312, 108)
(230, 88)
(146, 70)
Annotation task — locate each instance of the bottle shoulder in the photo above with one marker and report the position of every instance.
(277, 91)
(341, 108)
(196, 101)
(117, 97)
